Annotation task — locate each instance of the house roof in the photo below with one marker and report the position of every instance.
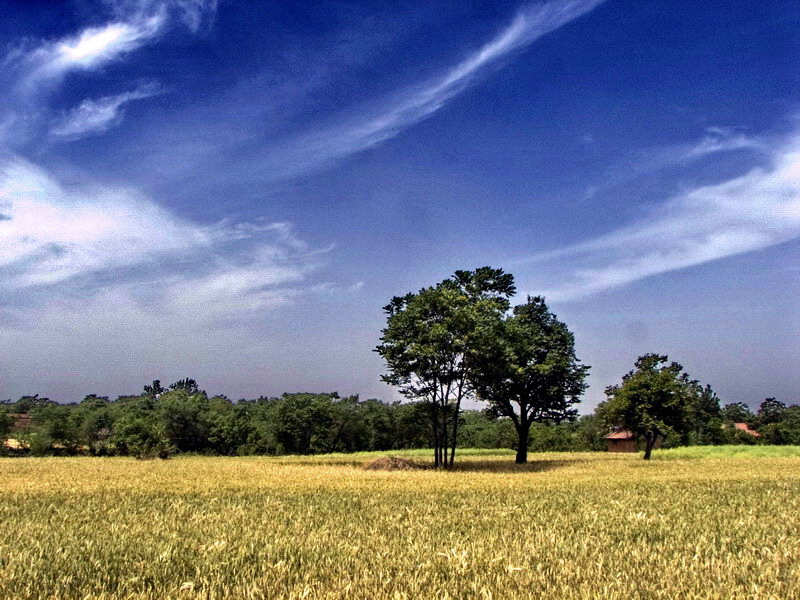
(623, 434)
(746, 428)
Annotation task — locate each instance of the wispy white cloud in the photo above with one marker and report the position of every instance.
(373, 125)
(753, 211)
(33, 69)
(84, 242)
(716, 140)
(47, 64)
(194, 14)
(98, 115)
(722, 139)
(136, 23)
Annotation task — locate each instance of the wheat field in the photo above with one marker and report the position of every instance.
(565, 526)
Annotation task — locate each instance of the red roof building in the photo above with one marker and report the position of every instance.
(746, 428)
(621, 441)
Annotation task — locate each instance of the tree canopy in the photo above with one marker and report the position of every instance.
(528, 370)
(653, 401)
(432, 341)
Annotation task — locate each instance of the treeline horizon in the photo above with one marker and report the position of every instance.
(182, 418)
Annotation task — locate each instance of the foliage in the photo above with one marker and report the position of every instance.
(654, 400)
(737, 412)
(567, 526)
(177, 421)
(528, 370)
(432, 342)
(6, 424)
(785, 429)
(769, 412)
(705, 419)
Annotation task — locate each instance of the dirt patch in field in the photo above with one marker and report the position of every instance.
(392, 463)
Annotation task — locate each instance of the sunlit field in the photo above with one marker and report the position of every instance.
(724, 525)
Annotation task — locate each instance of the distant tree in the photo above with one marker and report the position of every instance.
(528, 370)
(770, 411)
(96, 429)
(304, 423)
(431, 342)
(412, 426)
(154, 390)
(181, 413)
(27, 404)
(142, 436)
(654, 400)
(591, 432)
(485, 429)
(784, 431)
(737, 412)
(380, 425)
(705, 418)
(225, 426)
(187, 385)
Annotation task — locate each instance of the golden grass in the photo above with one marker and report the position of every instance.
(565, 526)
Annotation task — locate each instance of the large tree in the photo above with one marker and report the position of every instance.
(529, 371)
(432, 340)
(654, 400)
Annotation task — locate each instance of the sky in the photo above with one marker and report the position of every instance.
(232, 190)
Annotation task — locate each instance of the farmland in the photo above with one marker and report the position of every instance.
(716, 524)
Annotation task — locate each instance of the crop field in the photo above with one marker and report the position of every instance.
(718, 524)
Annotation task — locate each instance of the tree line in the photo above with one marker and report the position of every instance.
(454, 342)
(183, 418)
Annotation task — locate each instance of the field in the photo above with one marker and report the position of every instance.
(713, 524)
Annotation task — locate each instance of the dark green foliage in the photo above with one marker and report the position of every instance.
(737, 412)
(483, 429)
(705, 420)
(432, 342)
(655, 400)
(161, 422)
(770, 411)
(782, 426)
(182, 415)
(141, 436)
(27, 404)
(186, 385)
(528, 370)
(154, 390)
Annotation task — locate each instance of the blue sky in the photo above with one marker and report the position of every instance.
(232, 190)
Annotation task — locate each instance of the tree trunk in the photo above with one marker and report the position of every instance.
(445, 439)
(455, 434)
(649, 441)
(523, 427)
(522, 446)
(436, 443)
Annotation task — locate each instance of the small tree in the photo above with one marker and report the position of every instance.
(770, 411)
(529, 371)
(737, 412)
(654, 400)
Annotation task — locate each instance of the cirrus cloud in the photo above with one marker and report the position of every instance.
(756, 210)
(84, 241)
